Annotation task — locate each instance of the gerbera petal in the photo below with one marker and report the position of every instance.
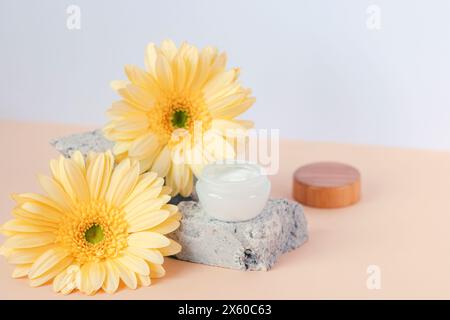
(112, 279)
(60, 281)
(107, 173)
(150, 58)
(147, 221)
(85, 283)
(50, 274)
(144, 281)
(55, 192)
(4, 251)
(68, 280)
(138, 97)
(164, 72)
(171, 182)
(144, 146)
(173, 209)
(133, 263)
(29, 240)
(42, 212)
(34, 219)
(34, 197)
(166, 227)
(25, 256)
(61, 176)
(169, 49)
(126, 185)
(219, 64)
(141, 78)
(188, 183)
(21, 270)
(121, 147)
(47, 260)
(180, 179)
(224, 125)
(144, 181)
(217, 147)
(162, 162)
(171, 249)
(18, 225)
(122, 109)
(118, 174)
(130, 127)
(192, 68)
(95, 174)
(127, 276)
(111, 134)
(165, 190)
(215, 96)
(156, 270)
(218, 83)
(179, 72)
(230, 111)
(55, 168)
(202, 72)
(147, 206)
(226, 103)
(151, 255)
(78, 158)
(96, 275)
(118, 84)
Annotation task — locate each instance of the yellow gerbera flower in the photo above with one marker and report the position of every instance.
(98, 224)
(181, 88)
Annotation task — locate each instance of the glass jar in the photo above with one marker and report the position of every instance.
(233, 191)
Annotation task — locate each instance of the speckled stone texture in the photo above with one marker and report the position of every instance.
(255, 244)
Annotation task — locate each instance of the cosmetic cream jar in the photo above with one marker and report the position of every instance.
(233, 191)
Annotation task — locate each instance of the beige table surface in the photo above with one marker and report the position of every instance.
(401, 225)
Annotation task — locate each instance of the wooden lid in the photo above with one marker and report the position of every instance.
(327, 185)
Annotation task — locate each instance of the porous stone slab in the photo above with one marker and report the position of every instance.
(255, 244)
(84, 142)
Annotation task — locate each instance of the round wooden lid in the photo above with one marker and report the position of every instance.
(327, 185)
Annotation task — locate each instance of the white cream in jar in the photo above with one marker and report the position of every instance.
(233, 191)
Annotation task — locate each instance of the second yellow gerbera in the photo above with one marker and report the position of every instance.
(181, 89)
(97, 225)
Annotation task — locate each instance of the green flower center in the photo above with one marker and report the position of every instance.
(179, 119)
(94, 234)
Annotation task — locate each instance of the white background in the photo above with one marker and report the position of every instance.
(317, 71)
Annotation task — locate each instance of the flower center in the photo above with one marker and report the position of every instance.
(179, 119)
(94, 231)
(94, 234)
(174, 112)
